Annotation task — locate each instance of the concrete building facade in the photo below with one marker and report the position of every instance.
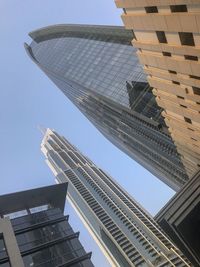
(167, 36)
(35, 232)
(97, 69)
(126, 233)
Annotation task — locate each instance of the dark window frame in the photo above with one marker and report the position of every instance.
(188, 57)
(178, 8)
(188, 120)
(196, 90)
(172, 71)
(161, 37)
(186, 38)
(194, 77)
(175, 82)
(183, 106)
(166, 54)
(151, 9)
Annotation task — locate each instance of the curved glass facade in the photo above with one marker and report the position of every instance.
(98, 62)
(97, 69)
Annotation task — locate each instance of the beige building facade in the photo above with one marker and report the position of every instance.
(167, 35)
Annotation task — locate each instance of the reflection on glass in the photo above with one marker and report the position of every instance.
(39, 208)
(16, 214)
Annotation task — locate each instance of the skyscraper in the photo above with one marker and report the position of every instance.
(97, 69)
(125, 232)
(167, 35)
(35, 232)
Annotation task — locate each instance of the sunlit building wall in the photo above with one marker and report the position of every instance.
(167, 36)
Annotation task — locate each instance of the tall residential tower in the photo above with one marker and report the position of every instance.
(125, 232)
(97, 69)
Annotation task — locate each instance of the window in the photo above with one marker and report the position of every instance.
(194, 77)
(5, 264)
(167, 54)
(191, 57)
(151, 9)
(196, 90)
(181, 97)
(188, 120)
(3, 252)
(186, 38)
(172, 71)
(183, 106)
(178, 8)
(175, 82)
(39, 208)
(56, 254)
(16, 214)
(161, 37)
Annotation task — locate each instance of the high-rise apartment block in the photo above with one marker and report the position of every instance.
(34, 232)
(167, 35)
(125, 232)
(97, 69)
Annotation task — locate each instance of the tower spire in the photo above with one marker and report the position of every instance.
(42, 129)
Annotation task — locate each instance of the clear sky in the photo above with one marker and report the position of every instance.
(28, 99)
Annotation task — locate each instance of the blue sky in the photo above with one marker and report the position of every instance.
(28, 99)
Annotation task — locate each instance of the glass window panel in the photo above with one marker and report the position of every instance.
(16, 214)
(39, 208)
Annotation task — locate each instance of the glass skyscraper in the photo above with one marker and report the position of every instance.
(125, 232)
(96, 67)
